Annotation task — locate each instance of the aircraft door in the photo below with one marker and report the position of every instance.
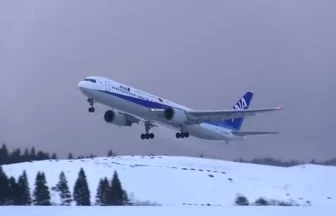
(107, 86)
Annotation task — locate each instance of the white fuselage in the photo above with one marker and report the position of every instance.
(138, 103)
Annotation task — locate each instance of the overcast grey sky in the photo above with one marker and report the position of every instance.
(203, 54)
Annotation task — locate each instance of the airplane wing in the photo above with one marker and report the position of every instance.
(235, 115)
(218, 115)
(247, 133)
(221, 115)
(131, 118)
(136, 120)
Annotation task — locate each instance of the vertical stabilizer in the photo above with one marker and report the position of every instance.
(243, 103)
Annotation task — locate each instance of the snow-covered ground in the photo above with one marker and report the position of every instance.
(169, 180)
(169, 211)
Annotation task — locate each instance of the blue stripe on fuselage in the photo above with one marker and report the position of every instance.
(156, 105)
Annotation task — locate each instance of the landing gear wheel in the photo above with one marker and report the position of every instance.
(91, 109)
(182, 135)
(147, 136)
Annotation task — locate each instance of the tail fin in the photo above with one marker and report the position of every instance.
(243, 103)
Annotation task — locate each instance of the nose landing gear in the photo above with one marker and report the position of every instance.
(91, 102)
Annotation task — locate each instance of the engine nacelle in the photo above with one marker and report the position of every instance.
(116, 118)
(175, 115)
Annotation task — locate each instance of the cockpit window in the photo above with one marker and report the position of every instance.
(90, 80)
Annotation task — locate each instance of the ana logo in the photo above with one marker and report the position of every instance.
(160, 100)
(124, 88)
(240, 105)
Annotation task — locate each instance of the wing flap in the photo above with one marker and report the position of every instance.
(131, 118)
(137, 120)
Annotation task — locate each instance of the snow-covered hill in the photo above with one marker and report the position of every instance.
(171, 180)
(166, 211)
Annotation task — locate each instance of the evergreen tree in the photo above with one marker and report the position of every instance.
(99, 200)
(63, 189)
(126, 201)
(16, 156)
(41, 191)
(3, 187)
(116, 195)
(26, 156)
(106, 191)
(32, 154)
(81, 192)
(70, 156)
(42, 156)
(110, 153)
(103, 191)
(45, 155)
(24, 190)
(53, 156)
(4, 155)
(13, 192)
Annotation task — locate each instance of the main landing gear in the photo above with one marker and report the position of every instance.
(91, 109)
(182, 135)
(147, 135)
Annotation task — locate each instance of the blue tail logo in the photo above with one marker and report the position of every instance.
(243, 103)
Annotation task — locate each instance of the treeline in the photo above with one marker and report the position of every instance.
(274, 162)
(262, 201)
(17, 191)
(18, 156)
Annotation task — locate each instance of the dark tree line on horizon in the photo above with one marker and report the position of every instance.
(280, 163)
(27, 155)
(18, 192)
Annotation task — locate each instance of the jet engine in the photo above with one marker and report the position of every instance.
(175, 115)
(116, 118)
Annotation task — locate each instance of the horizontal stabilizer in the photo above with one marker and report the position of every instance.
(242, 133)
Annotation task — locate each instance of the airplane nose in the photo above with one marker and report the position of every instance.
(81, 85)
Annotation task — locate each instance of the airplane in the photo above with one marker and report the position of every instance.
(129, 106)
